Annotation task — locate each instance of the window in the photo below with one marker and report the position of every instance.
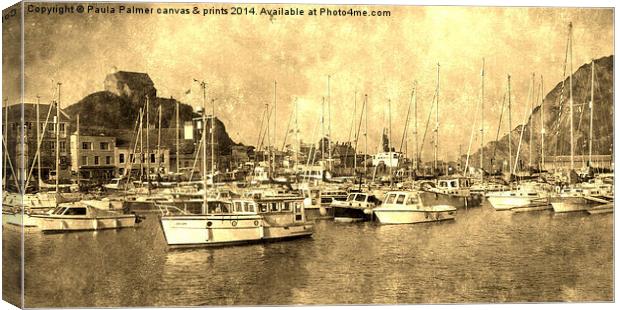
(361, 198)
(262, 207)
(286, 206)
(62, 128)
(63, 146)
(274, 207)
(412, 200)
(152, 156)
(84, 160)
(238, 206)
(104, 146)
(76, 211)
(121, 158)
(86, 145)
(96, 160)
(161, 158)
(53, 146)
(401, 199)
(108, 160)
(390, 199)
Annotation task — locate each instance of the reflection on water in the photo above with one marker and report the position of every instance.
(483, 256)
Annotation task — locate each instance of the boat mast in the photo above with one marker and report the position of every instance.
(436, 124)
(205, 209)
(531, 127)
(509, 128)
(390, 139)
(39, 144)
(415, 129)
(177, 135)
(542, 123)
(148, 152)
(213, 142)
(275, 119)
(355, 147)
(297, 144)
(570, 91)
(77, 149)
(323, 131)
(141, 145)
(5, 175)
(591, 115)
(482, 122)
(366, 133)
(329, 123)
(159, 139)
(58, 141)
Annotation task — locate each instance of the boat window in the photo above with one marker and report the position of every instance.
(273, 206)
(390, 198)
(297, 207)
(218, 207)
(453, 183)
(412, 200)
(443, 184)
(76, 211)
(286, 206)
(401, 199)
(238, 206)
(262, 207)
(361, 198)
(59, 211)
(531, 194)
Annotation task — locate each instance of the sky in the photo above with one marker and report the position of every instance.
(240, 57)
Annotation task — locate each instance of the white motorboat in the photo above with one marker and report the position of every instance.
(84, 215)
(527, 196)
(406, 207)
(238, 221)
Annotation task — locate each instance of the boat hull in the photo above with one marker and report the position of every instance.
(319, 213)
(572, 204)
(387, 216)
(351, 214)
(503, 203)
(219, 230)
(49, 224)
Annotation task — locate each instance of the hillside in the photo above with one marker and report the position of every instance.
(108, 113)
(557, 120)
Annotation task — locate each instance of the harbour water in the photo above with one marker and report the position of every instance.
(484, 256)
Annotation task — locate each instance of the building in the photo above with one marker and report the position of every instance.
(93, 156)
(47, 133)
(552, 163)
(126, 159)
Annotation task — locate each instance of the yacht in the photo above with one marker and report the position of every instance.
(526, 197)
(406, 207)
(84, 215)
(238, 221)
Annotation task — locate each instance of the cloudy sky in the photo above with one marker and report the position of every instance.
(241, 56)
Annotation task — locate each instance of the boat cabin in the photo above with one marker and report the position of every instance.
(401, 198)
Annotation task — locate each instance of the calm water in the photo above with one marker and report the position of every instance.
(484, 256)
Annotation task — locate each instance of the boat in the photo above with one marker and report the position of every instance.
(84, 215)
(487, 187)
(532, 196)
(580, 198)
(238, 221)
(454, 191)
(356, 208)
(406, 207)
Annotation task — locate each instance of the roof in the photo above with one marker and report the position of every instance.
(30, 110)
